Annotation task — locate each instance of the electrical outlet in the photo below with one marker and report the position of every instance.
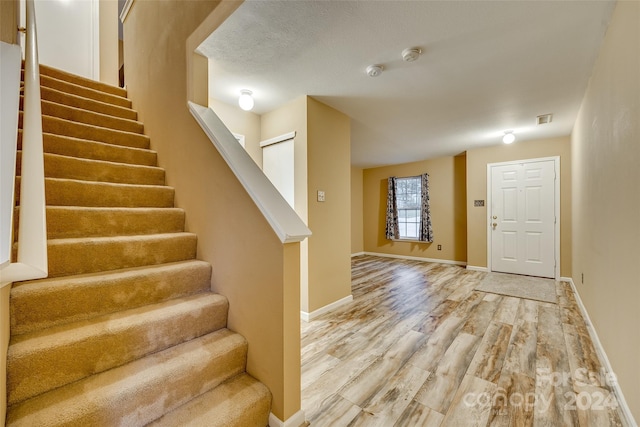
(320, 196)
(439, 247)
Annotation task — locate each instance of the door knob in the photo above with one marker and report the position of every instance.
(495, 224)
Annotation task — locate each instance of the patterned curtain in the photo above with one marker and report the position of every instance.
(426, 231)
(392, 231)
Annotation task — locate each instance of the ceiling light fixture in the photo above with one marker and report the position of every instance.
(508, 137)
(374, 70)
(411, 54)
(246, 100)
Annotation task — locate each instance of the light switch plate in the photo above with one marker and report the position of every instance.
(320, 196)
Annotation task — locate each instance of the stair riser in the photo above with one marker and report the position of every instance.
(61, 75)
(56, 166)
(85, 149)
(83, 193)
(87, 117)
(67, 257)
(75, 354)
(137, 393)
(63, 98)
(83, 91)
(79, 298)
(63, 127)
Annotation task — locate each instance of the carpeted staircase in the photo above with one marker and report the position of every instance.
(125, 331)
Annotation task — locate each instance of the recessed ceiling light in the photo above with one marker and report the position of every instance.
(411, 54)
(544, 119)
(374, 70)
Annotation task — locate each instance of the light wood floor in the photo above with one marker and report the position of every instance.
(419, 347)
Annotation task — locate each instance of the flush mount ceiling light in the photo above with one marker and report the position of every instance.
(246, 100)
(411, 54)
(508, 137)
(374, 70)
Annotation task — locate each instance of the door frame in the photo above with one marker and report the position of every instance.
(556, 160)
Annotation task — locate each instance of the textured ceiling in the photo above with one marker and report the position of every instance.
(487, 66)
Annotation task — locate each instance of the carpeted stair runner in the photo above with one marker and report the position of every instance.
(125, 330)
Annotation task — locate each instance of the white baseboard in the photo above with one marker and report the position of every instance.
(358, 254)
(416, 258)
(475, 268)
(296, 420)
(617, 391)
(327, 308)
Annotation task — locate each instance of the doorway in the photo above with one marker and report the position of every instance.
(523, 233)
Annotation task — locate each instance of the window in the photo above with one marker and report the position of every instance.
(408, 201)
(408, 214)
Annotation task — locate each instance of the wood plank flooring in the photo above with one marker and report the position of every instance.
(419, 347)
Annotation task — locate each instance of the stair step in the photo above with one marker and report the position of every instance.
(88, 104)
(48, 359)
(64, 127)
(80, 115)
(141, 391)
(82, 81)
(238, 402)
(68, 257)
(86, 149)
(57, 166)
(83, 91)
(39, 304)
(66, 222)
(69, 192)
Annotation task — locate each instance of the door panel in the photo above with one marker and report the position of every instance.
(523, 218)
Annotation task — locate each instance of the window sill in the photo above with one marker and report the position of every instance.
(409, 240)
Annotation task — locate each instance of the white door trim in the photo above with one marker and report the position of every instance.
(556, 160)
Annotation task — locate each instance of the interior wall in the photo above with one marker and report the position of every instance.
(446, 191)
(289, 118)
(605, 146)
(241, 122)
(329, 170)
(109, 56)
(9, 21)
(357, 212)
(232, 233)
(477, 161)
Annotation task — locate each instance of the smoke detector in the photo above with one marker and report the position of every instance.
(374, 70)
(411, 54)
(544, 119)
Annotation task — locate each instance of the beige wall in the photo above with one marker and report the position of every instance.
(329, 170)
(8, 21)
(251, 267)
(446, 192)
(477, 161)
(109, 56)
(241, 122)
(606, 198)
(357, 212)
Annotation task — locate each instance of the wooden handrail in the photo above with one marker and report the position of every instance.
(32, 234)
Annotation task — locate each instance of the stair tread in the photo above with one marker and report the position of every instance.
(140, 391)
(83, 81)
(95, 150)
(84, 296)
(81, 115)
(84, 91)
(64, 98)
(107, 341)
(216, 408)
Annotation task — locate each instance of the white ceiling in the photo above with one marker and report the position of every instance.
(487, 66)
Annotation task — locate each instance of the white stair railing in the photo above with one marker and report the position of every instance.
(31, 262)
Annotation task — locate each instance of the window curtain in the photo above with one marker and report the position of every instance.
(426, 230)
(392, 231)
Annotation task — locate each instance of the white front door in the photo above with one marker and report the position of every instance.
(522, 218)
